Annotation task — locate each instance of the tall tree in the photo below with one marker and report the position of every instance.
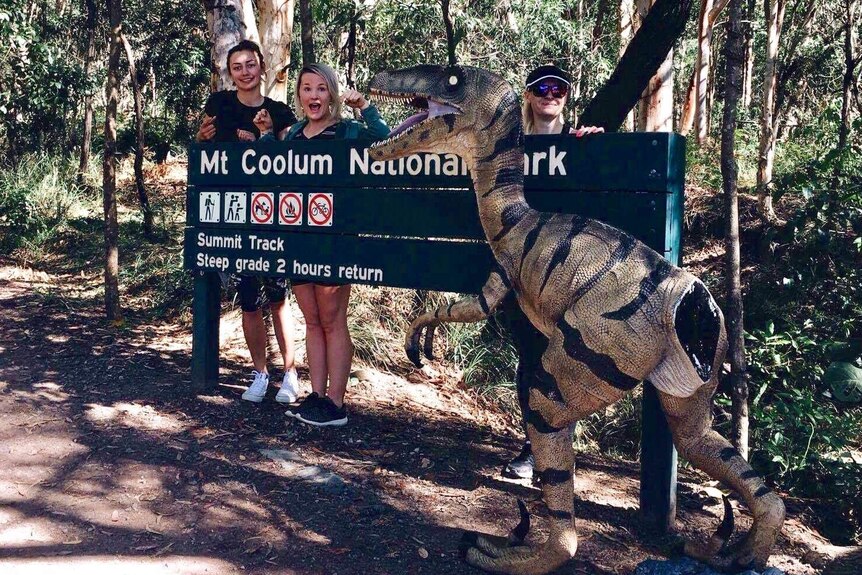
(276, 36)
(89, 61)
(851, 62)
(774, 10)
(626, 31)
(696, 110)
(648, 49)
(143, 197)
(306, 20)
(655, 108)
(734, 59)
(109, 165)
(748, 53)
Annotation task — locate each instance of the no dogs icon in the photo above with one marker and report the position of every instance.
(262, 208)
(290, 209)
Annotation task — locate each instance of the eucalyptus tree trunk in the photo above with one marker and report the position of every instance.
(228, 22)
(655, 108)
(109, 168)
(143, 198)
(696, 111)
(851, 61)
(766, 150)
(276, 36)
(748, 53)
(734, 57)
(627, 31)
(89, 60)
(306, 20)
(648, 49)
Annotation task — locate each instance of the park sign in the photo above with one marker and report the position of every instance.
(324, 211)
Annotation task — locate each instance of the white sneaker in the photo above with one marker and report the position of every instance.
(257, 389)
(289, 387)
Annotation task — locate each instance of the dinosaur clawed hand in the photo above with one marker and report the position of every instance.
(426, 323)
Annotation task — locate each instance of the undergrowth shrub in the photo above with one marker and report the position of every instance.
(37, 196)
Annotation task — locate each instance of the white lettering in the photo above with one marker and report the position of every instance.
(555, 162)
(211, 165)
(245, 156)
(537, 160)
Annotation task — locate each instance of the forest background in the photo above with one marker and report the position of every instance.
(797, 144)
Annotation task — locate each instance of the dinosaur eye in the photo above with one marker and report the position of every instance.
(453, 80)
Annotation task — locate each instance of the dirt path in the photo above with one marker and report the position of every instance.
(111, 465)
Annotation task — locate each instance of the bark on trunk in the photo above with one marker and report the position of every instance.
(646, 52)
(143, 198)
(655, 109)
(87, 137)
(697, 107)
(226, 24)
(850, 63)
(627, 31)
(276, 37)
(109, 181)
(748, 53)
(306, 20)
(766, 153)
(733, 50)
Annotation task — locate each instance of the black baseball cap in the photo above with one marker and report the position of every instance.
(545, 72)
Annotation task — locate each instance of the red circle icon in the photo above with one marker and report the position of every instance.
(320, 209)
(262, 208)
(290, 208)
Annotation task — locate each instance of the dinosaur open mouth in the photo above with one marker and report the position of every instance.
(428, 110)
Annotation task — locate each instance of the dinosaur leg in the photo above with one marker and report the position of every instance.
(690, 419)
(555, 461)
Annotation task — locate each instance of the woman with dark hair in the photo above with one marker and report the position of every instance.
(245, 114)
(545, 95)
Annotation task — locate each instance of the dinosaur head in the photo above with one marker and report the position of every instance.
(461, 109)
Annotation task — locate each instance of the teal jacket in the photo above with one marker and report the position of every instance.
(373, 129)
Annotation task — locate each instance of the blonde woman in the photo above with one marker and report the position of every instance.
(329, 349)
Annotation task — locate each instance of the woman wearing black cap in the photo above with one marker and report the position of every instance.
(545, 95)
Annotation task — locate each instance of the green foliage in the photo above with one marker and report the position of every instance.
(37, 197)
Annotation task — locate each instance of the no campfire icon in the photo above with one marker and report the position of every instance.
(290, 209)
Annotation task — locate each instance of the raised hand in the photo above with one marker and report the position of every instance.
(354, 99)
(245, 136)
(207, 130)
(263, 121)
(585, 130)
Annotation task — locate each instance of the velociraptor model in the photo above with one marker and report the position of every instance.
(615, 313)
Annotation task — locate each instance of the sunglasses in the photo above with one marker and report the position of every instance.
(556, 90)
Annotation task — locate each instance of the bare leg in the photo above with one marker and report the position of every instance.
(690, 420)
(282, 322)
(254, 330)
(315, 342)
(332, 313)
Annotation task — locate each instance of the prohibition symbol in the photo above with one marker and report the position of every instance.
(290, 209)
(320, 209)
(262, 208)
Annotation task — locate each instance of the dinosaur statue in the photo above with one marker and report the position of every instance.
(615, 313)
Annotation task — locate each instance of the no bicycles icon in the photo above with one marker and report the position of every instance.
(320, 209)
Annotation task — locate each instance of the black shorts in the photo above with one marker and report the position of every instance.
(257, 291)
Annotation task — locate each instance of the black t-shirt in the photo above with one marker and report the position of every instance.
(232, 115)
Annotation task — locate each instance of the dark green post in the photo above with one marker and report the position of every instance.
(658, 454)
(205, 330)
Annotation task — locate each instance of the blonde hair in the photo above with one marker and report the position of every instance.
(527, 116)
(331, 78)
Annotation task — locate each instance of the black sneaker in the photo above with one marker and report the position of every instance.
(323, 413)
(306, 404)
(522, 466)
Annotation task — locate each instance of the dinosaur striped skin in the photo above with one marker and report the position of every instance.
(614, 311)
